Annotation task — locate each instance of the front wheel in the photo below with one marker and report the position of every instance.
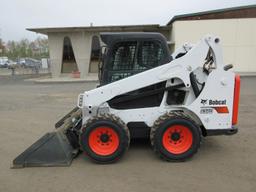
(175, 137)
(105, 138)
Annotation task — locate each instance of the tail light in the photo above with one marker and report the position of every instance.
(236, 100)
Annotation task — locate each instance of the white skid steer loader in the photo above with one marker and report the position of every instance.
(144, 91)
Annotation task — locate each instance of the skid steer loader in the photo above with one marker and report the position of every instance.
(172, 99)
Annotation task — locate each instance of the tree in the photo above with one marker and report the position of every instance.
(24, 48)
(2, 48)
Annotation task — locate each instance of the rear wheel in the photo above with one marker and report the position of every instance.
(105, 138)
(175, 137)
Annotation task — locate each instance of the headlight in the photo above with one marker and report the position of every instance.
(80, 101)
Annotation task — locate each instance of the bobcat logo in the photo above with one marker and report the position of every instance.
(203, 101)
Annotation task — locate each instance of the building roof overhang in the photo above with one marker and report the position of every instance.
(249, 11)
(114, 28)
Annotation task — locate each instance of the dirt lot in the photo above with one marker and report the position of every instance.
(28, 110)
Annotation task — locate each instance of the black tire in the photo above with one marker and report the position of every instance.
(191, 138)
(117, 127)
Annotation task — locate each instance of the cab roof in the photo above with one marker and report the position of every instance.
(109, 38)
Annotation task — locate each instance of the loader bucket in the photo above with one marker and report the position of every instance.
(53, 149)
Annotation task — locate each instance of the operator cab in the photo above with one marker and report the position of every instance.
(127, 54)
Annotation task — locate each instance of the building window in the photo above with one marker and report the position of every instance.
(68, 60)
(95, 48)
(68, 54)
(95, 54)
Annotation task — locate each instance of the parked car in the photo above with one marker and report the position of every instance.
(29, 63)
(21, 62)
(3, 62)
(11, 64)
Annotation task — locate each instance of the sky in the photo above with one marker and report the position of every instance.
(17, 15)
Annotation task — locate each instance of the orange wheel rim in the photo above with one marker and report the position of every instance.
(103, 141)
(177, 139)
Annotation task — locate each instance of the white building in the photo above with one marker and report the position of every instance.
(236, 28)
(77, 48)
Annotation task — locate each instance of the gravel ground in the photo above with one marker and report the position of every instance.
(27, 111)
